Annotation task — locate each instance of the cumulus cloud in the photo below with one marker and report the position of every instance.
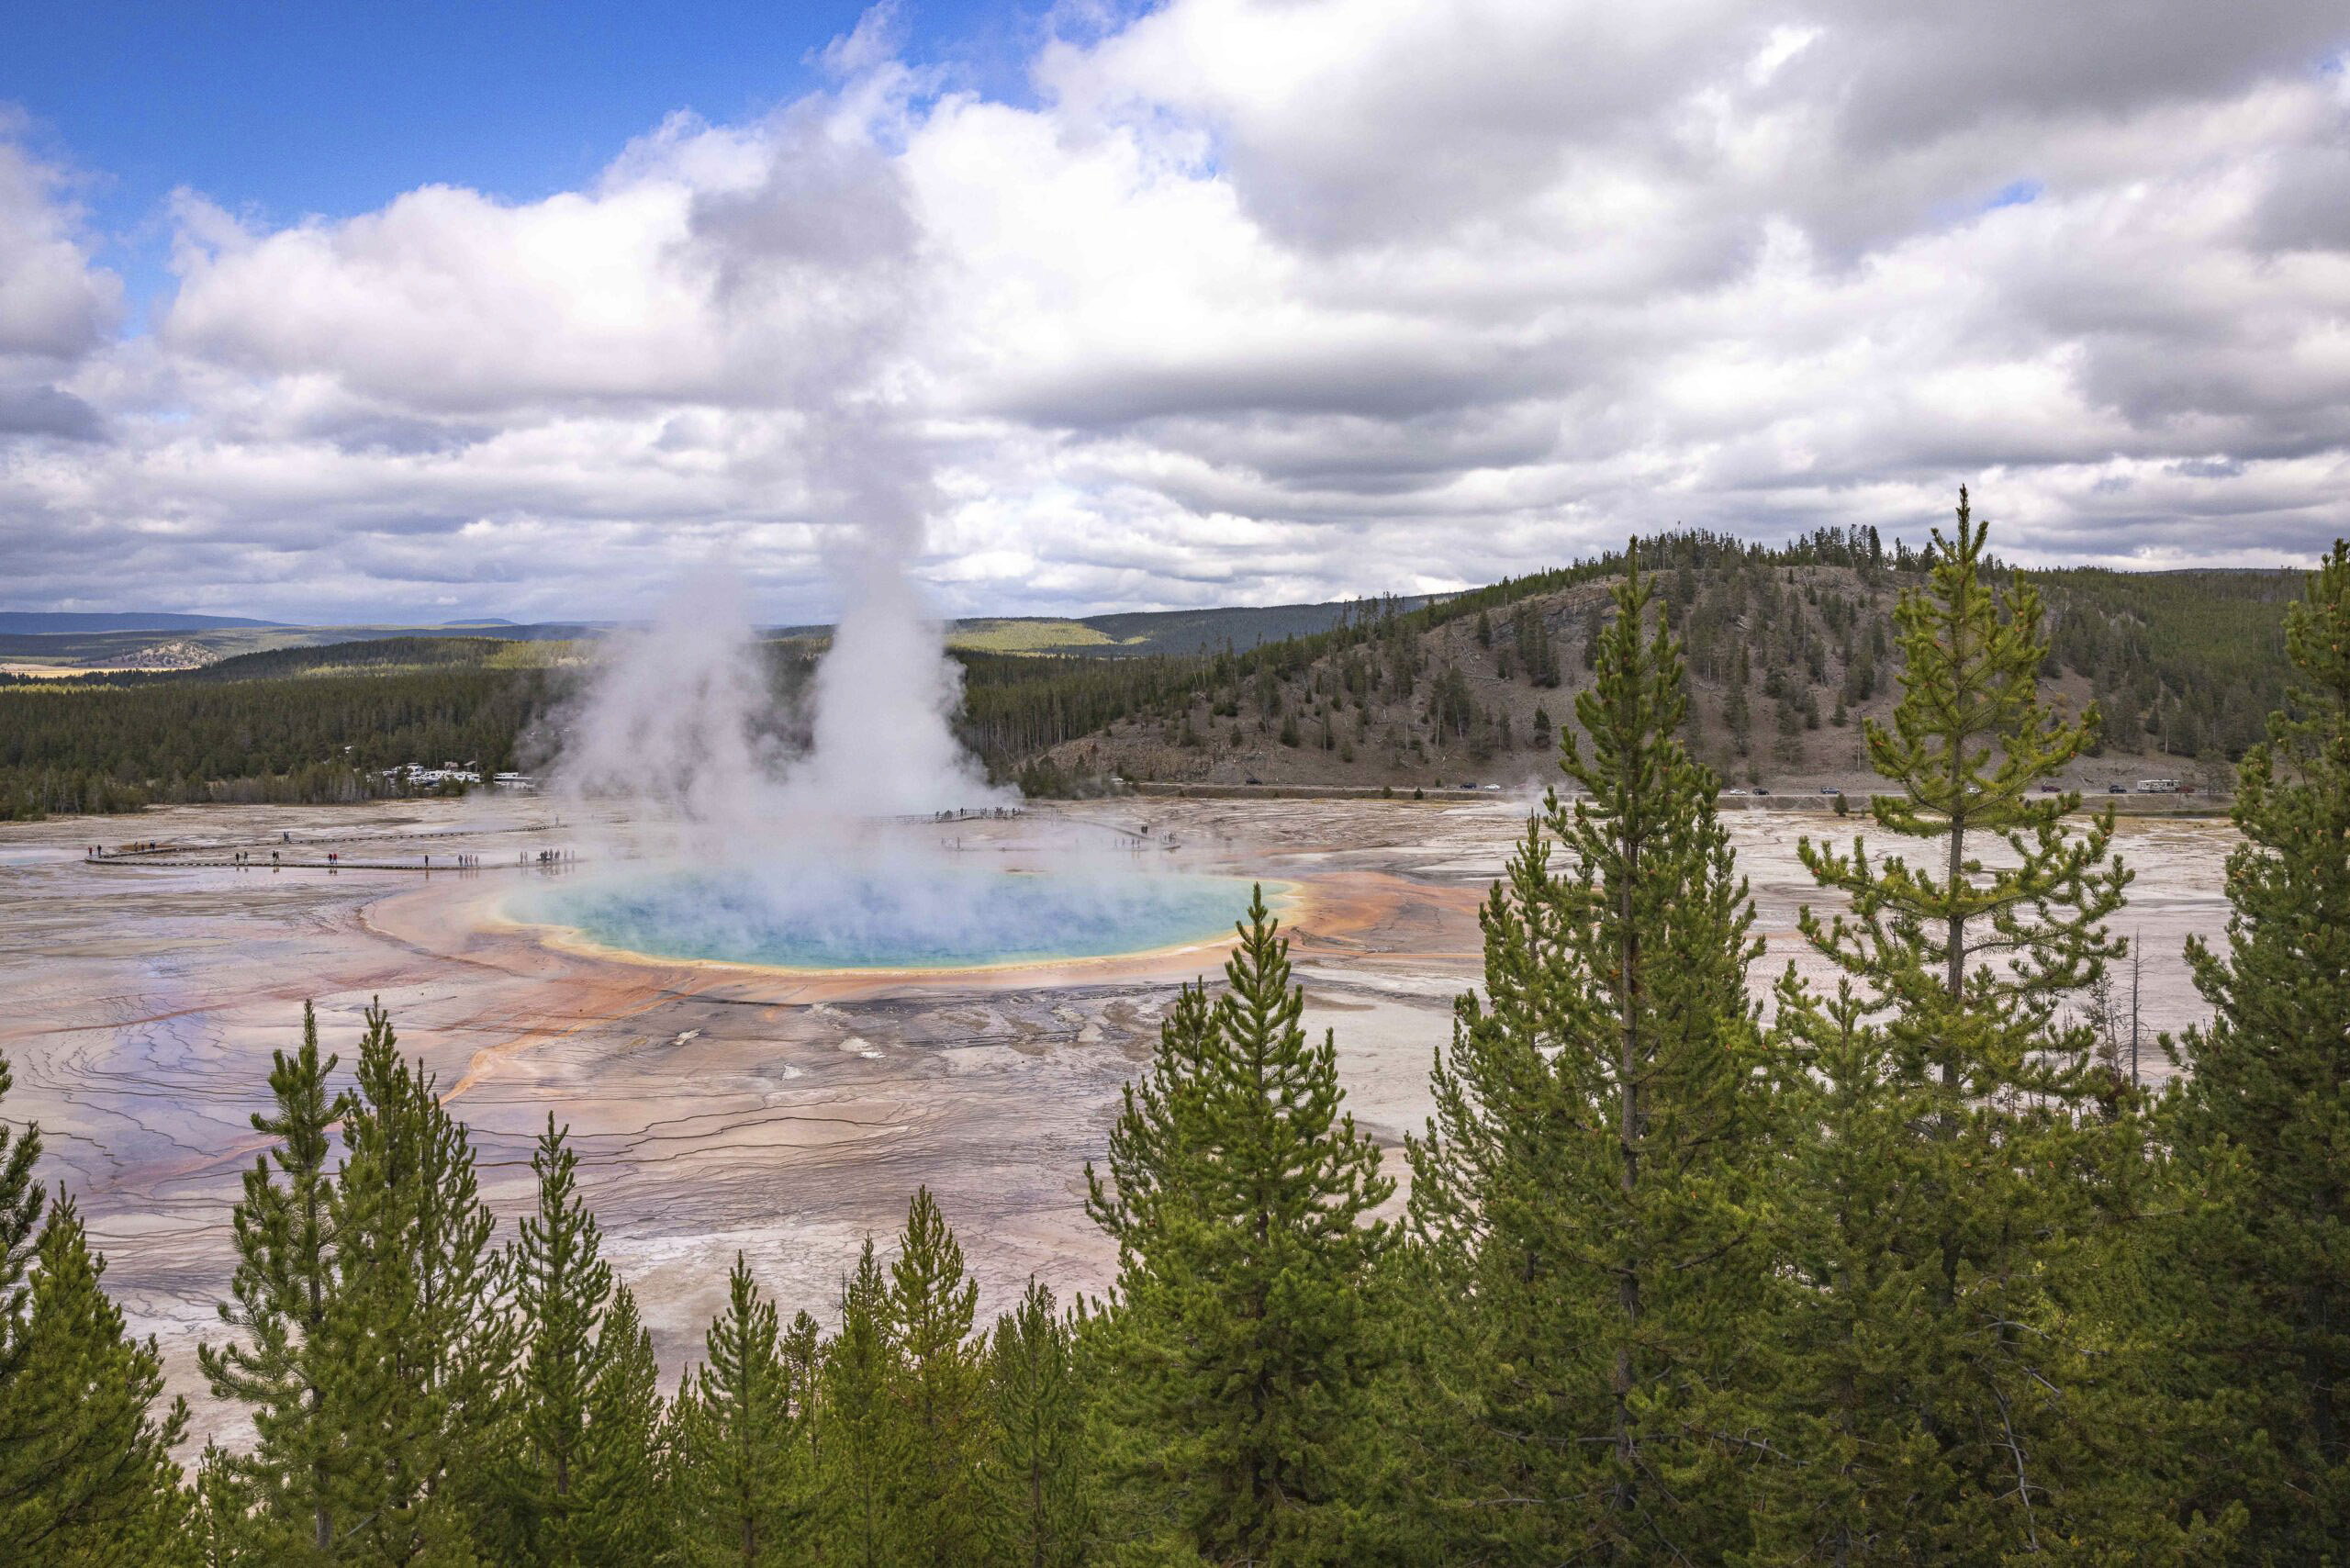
(1253, 299)
(56, 304)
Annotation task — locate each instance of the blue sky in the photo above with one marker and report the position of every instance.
(281, 112)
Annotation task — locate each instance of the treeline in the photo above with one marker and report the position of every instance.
(372, 655)
(2188, 663)
(321, 725)
(2183, 664)
(1911, 1271)
(1015, 706)
(319, 738)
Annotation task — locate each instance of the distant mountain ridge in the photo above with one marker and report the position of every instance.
(98, 638)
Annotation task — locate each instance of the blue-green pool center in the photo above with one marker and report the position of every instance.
(833, 918)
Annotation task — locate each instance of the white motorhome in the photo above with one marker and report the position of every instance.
(2159, 786)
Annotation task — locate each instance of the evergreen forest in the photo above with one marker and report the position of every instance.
(1787, 650)
(1902, 1268)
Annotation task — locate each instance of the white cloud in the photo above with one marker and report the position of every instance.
(56, 305)
(1258, 299)
(53, 303)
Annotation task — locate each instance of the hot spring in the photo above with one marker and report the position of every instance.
(822, 917)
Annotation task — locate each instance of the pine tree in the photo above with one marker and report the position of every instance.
(931, 1304)
(20, 1212)
(1588, 1195)
(1037, 1506)
(2261, 1122)
(621, 1517)
(803, 1374)
(279, 1295)
(1238, 1355)
(733, 1439)
(561, 1286)
(371, 1340)
(1536, 650)
(860, 1439)
(420, 1342)
(1735, 712)
(1787, 718)
(1961, 1366)
(223, 1504)
(86, 1476)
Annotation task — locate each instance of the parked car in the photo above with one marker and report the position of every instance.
(1829, 790)
(1760, 790)
(1733, 791)
(2117, 789)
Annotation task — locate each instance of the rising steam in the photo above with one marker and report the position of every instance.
(682, 721)
(820, 254)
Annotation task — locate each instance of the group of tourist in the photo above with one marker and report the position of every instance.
(242, 857)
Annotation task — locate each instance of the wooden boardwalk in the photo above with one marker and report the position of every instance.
(167, 859)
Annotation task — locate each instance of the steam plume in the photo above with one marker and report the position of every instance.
(822, 253)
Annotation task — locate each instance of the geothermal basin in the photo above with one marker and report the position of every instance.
(726, 1091)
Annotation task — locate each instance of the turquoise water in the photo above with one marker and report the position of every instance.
(835, 919)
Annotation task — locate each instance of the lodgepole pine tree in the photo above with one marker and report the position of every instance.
(20, 1212)
(803, 1374)
(1236, 1351)
(86, 1476)
(222, 1504)
(2261, 1122)
(732, 1438)
(276, 1362)
(621, 1517)
(932, 1299)
(1587, 1197)
(860, 1436)
(419, 1338)
(1035, 1503)
(1964, 1378)
(561, 1286)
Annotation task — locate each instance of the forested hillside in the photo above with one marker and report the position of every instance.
(1787, 651)
(67, 747)
(1912, 1270)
